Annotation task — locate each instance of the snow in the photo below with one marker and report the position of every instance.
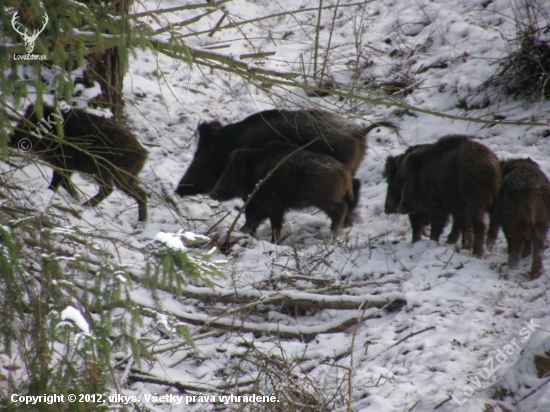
(74, 315)
(460, 310)
(170, 240)
(193, 238)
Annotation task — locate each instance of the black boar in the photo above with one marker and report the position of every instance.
(91, 144)
(454, 175)
(394, 174)
(304, 179)
(524, 211)
(336, 137)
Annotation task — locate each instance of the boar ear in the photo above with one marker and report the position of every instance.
(210, 129)
(208, 134)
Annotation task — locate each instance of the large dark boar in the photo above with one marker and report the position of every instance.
(454, 175)
(91, 144)
(304, 179)
(394, 178)
(394, 174)
(336, 137)
(524, 211)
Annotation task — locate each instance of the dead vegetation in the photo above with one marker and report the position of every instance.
(525, 70)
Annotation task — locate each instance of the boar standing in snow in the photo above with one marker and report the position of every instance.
(334, 136)
(454, 175)
(394, 178)
(524, 211)
(304, 179)
(90, 144)
(393, 172)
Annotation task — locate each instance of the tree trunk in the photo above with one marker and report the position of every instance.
(107, 69)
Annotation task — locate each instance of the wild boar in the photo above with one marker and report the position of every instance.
(334, 136)
(454, 175)
(524, 211)
(394, 175)
(90, 144)
(304, 179)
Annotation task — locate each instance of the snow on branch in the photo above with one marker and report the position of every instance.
(269, 328)
(391, 301)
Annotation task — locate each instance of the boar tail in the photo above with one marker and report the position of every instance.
(389, 125)
(374, 125)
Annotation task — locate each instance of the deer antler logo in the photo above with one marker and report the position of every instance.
(29, 40)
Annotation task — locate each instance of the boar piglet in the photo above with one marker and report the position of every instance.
(332, 136)
(394, 175)
(90, 144)
(304, 179)
(524, 211)
(454, 175)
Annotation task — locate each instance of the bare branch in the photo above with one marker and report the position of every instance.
(179, 8)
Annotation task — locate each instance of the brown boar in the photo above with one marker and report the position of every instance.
(454, 175)
(334, 136)
(304, 179)
(524, 211)
(90, 144)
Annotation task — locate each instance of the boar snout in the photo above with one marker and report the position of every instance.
(214, 194)
(389, 209)
(405, 209)
(217, 193)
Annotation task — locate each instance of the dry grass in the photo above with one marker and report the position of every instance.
(525, 71)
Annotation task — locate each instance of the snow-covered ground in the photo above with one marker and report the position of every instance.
(467, 326)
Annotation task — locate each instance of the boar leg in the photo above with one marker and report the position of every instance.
(276, 219)
(492, 233)
(460, 223)
(105, 189)
(539, 235)
(479, 234)
(63, 179)
(337, 213)
(128, 184)
(254, 216)
(467, 237)
(515, 246)
(527, 248)
(356, 187)
(133, 190)
(418, 221)
(437, 221)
